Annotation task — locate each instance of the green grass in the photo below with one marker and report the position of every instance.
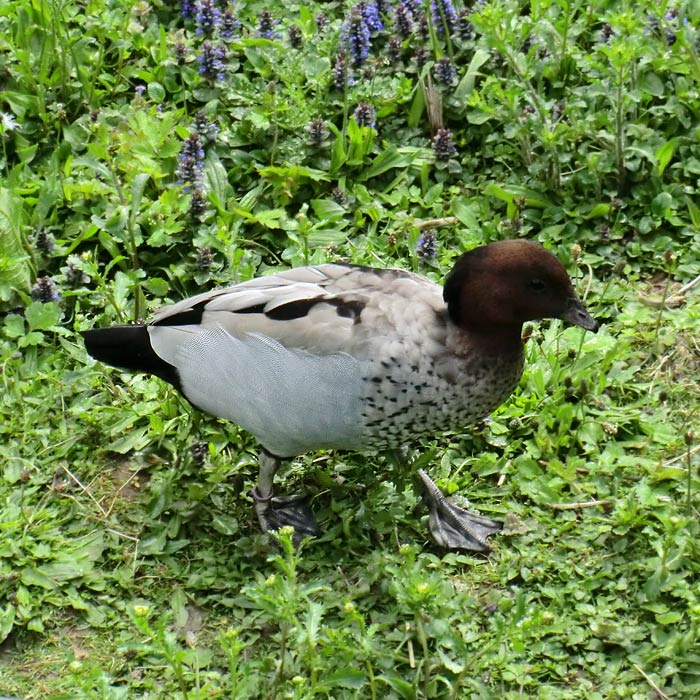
(130, 560)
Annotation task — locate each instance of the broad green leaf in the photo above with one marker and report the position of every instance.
(138, 185)
(662, 204)
(466, 84)
(15, 264)
(693, 211)
(466, 212)
(415, 113)
(664, 153)
(338, 154)
(292, 172)
(326, 237)
(345, 678)
(134, 439)
(60, 571)
(33, 577)
(327, 209)
(225, 524)
(510, 192)
(42, 317)
(157, 286)
(219, 188)
(600, 209)
(156, 92)
(32, 338)
(7, 620)
(388, 159)
(14, 326)
(315, 67)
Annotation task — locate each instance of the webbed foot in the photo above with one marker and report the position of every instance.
(275, 512)
(453, 527)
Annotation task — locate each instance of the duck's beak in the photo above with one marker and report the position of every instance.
(577, 315)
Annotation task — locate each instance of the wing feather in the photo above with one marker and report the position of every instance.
(317, 309)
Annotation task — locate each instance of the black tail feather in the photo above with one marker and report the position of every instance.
(128, 347)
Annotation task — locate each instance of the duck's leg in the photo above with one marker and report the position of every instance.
(453, 527)
(276, 511)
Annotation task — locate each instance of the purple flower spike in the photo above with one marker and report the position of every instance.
(444, 16)
(189, 171)
(355, 34)
(443, 146)
(211, 61)
(45, 290)
(207, 17)
(364, 115)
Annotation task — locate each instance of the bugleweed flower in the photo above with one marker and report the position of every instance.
(205, 259)
(382, 6)
(443, 146)
(45, 290)
(198, 202)
(423, 27)
(671, 16)
(230, 26)
(206, 129)
(444, 71)
(465, 28)
(321, 22)
(211, 61)
(652, 24)
(364, 114)
(427, 244)
(207, 17)
(139, 90)
(393, 49)
(370, 14)
(296, 40)
(606, 31)
(266, 24)
(420, 56)
(356, 36)
(187, 8)
(558, 111)
(404, 20)
(189, 171)
(44, 241)
(444, 16)
(317, 131)
(199, 452)
(180, 54)
(72, 273)
(341, 76)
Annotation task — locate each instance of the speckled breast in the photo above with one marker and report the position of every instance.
(444, 394)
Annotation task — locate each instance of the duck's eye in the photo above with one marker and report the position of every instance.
(536, 285)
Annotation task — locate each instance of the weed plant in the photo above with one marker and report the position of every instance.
(150, 150)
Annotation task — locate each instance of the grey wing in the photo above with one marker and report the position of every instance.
(318, 309)
(291, 400)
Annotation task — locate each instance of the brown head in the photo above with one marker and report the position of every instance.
(496, 288)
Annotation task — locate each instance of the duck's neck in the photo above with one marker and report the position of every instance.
(503, 342)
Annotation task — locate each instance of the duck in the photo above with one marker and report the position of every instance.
(340, 356)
